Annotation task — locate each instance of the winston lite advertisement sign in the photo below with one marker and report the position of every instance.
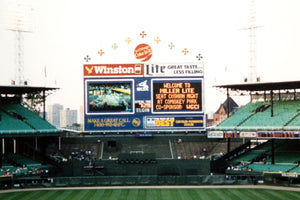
(139, 97)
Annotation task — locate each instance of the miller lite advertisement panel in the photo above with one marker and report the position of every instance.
(141, 97)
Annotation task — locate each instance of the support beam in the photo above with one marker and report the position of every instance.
(3, 146)
(228, 102)
(273, 150)
(59, 143)
(228, 145)
(44, 104)
(36, 145)
(228, 139)
(272, 104)
(1, 156)
(15, 146)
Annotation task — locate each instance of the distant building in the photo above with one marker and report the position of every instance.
(53, 114)
(221, 113)
(81, 116)
(68, 117)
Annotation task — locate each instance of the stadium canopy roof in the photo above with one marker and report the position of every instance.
(24, 89)
(262, 86)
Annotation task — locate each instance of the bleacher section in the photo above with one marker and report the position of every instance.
(189, 150)
(203, 150)
(257, 116)
(15, 118)
(81, 151)
(110, 148)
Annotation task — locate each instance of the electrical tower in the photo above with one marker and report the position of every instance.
(21, 16)
(252, 76)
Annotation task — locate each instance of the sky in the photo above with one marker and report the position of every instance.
(62, 32)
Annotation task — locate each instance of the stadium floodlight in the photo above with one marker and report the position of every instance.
(20, 21)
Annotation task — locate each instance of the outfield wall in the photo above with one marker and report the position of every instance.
(144, 180)
(38, 182)
(80, 181)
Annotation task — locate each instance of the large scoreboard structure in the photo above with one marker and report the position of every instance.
(143, 97)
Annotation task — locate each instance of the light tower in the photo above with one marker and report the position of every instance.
(21, 15)
(252, 76)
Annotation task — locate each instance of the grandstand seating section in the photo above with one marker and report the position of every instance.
(295, 170)
(239, 116)
(10, 124)
(283, 112)
(294, 124)
(15, 164)
(258, 159)
(285, 116)
(287, 151)
(15, 118)
(271, 168)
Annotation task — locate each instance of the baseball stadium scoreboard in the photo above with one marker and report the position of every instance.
(141, 97)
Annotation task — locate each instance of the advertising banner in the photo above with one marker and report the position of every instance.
(248, 134)
(117, 101)
(174, 70)
(174, 122)
(215, 134)
(96, 70)
(93, 122)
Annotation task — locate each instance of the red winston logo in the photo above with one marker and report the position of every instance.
(113, 69)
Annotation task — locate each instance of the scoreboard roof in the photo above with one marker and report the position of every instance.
(23, 89)
(263, 86)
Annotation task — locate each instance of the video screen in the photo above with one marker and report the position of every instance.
(115, 97)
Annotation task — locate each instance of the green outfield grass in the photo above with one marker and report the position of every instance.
(154, 194)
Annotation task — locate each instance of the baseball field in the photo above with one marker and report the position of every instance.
(155, 192)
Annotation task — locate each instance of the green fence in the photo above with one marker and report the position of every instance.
(86, 181)
(142, 180)
(283, 179)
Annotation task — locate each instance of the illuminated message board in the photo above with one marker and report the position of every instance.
(143, 97)
(177, 95)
